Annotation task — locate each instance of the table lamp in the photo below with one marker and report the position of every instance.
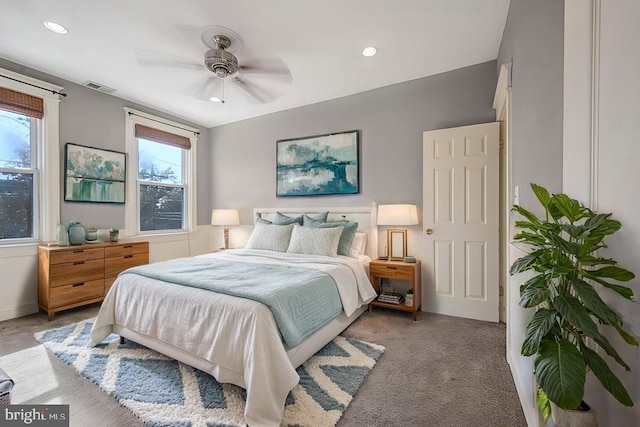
(225, 217)
(396, 215)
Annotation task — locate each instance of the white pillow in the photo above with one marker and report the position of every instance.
(315, 241)
(358, 245)
(270, 237)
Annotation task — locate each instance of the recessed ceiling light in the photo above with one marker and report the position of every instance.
(215, 99)
(369, 51)
(55, 27)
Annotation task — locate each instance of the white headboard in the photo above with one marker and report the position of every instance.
(365, 216)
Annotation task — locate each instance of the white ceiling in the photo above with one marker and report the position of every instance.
(319, 40)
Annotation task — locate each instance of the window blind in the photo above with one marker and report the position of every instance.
(162, 137)
(22, 103)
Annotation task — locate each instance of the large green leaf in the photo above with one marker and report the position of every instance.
(575, 231)
(622, 290)
(570, 208)
(527, 214)
(595, 221)
(607, 228)
(563, 244)
(560, 371)
(590, 298)
(574, 312)
(588, 260)
(534, 291)
(542, 194)
(522, 264)
(540, 325)
(613, 272)
(607, 378)
(626, 336)
(530, 238)
(543, 404)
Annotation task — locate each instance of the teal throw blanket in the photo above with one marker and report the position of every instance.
(302, 300)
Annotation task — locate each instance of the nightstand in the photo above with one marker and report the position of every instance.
(397, 270)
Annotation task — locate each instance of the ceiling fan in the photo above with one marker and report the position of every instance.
(259, 76)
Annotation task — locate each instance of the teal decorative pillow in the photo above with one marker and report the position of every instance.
(314, 241)
(349, 229)
(270, 237)
(282, 219)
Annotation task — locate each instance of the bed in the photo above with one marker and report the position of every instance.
(239, 339)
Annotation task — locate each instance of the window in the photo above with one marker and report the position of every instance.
(18, 176)
(162, 158)
(29, 159)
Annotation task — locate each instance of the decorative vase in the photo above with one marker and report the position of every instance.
(574, 418)
(62, 236)
(113, 234)
(91, 234)
(76, 234)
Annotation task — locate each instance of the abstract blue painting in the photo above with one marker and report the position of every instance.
(318, 165)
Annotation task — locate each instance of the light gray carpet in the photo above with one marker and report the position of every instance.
(438, 371)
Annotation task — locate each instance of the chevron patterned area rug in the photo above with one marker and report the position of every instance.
(164, 392)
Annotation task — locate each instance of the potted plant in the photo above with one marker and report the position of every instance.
(408, 299)
(562, 254)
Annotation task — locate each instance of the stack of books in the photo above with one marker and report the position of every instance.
(391, 297)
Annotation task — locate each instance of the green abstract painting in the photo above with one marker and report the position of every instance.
(94, 175)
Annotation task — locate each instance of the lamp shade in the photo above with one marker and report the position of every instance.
(397, 215)
(225, 217)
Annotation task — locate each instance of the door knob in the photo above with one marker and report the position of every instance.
(429, 231)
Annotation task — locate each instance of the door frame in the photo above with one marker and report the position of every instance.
(502, 105)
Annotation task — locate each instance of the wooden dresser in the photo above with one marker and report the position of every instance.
(72, 276)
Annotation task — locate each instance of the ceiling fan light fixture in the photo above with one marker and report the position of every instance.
(369, 51)
(55, 27)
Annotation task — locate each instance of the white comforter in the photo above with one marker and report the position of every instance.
(238, 338)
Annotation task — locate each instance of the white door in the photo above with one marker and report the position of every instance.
(460, 217)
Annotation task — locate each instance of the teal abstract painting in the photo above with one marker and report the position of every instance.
(94, 175)
(318, 165)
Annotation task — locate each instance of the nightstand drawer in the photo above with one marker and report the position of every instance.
(60, 257)
(399, 272)
(76, 292)
(76, 272)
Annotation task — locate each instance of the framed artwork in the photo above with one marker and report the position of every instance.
(318, 165)
(94, 175)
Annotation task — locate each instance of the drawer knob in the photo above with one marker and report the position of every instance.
(128, 256)
(392, 268)
(78, 262)
(128, 246)
(75, 285)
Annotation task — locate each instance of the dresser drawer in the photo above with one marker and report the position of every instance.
(76, 272)
(399, 272)
(128, 249)
(76, 293)
(116, 265)
(60, 257)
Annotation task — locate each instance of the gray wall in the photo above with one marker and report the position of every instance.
(95, 119)
(391, 120)
(533, 41)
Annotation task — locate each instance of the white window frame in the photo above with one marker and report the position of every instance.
(47, 177)
(132, 206)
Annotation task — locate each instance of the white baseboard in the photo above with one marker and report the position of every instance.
(18, 311)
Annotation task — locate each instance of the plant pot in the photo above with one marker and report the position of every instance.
(408, 300)
(574, 418)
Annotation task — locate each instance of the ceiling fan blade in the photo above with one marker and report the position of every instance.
(211, 87)
(148, 58)
(265, 67)
(254, 92)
